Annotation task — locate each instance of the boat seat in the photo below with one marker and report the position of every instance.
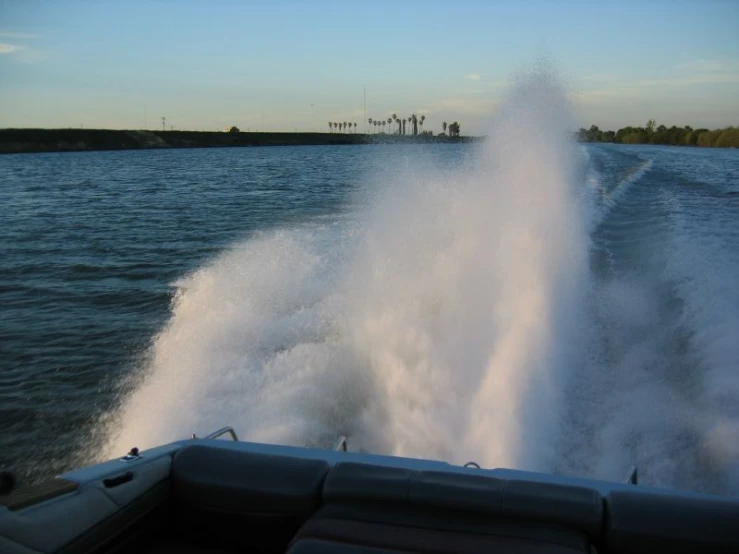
(242, 499)
(324, 547)
(434, 511)
(644, 522)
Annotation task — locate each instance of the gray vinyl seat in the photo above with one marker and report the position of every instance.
(243, 500)
(641, 522)
(393, 509)
(308, 546)
(221, 499)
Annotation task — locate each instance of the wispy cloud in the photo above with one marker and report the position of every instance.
(473, 76)
(17, 50)
(18, 36)
(31, 55)
(701, 65)
(691, 80)
(600, 77)
(458, 106)
(697, 73)
(469, 90)
(6, 48)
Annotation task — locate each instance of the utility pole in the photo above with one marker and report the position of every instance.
(164, 122)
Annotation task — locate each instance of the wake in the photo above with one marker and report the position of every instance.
(442, 325)
(454, 317)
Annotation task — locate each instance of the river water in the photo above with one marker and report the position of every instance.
(525, 303)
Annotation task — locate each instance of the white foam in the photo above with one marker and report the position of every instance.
(443, 323)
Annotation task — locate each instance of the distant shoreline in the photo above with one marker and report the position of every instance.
(673, 136)
(17, 141)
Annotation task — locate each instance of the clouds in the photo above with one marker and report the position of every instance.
(473, 76)
(701, 65)
(12, 47)
(18, 36)
(6, 48)
(695, 73)
(600, 77)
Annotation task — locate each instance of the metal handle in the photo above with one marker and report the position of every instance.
(340, 445)
(632, 476)
(219, 433)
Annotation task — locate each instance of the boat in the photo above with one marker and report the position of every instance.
(211, 495)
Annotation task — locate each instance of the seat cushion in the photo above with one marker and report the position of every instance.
(309, 546)
(640, 522)
(243, 482)
(234, 499)
(426, 537)
(577, 507)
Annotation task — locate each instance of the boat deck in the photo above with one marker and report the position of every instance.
(212, 497)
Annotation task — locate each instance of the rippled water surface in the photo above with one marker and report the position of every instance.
(390, 293)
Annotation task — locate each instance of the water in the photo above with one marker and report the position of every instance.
(526, 303)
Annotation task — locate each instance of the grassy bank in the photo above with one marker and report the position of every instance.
(75, 140)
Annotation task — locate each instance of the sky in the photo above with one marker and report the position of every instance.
(296, 65)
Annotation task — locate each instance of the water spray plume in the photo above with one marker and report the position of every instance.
(442, 326)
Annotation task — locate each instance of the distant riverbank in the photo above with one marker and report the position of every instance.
(672, 136)
(76, 140)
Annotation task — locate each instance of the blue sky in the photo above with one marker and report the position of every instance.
(289, 65)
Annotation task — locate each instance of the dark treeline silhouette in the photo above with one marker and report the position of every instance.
(413, 122)
(75, 140)
(413, 125)
(653, 134)
(341, 126)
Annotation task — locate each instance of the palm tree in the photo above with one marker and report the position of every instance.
(443, 126)
(415, 124)
(355, 127)
(330, 126)
(345, 124)
(395, 118)
(423, 117)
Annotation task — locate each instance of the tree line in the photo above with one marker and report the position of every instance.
(413, 124)
(341, 126)
(653, 134)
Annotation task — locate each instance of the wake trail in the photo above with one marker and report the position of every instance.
(443, 325)
(462, 314)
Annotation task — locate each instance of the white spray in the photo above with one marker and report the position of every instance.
(444, 324)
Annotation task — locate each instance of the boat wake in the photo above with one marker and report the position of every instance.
(456, 316)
